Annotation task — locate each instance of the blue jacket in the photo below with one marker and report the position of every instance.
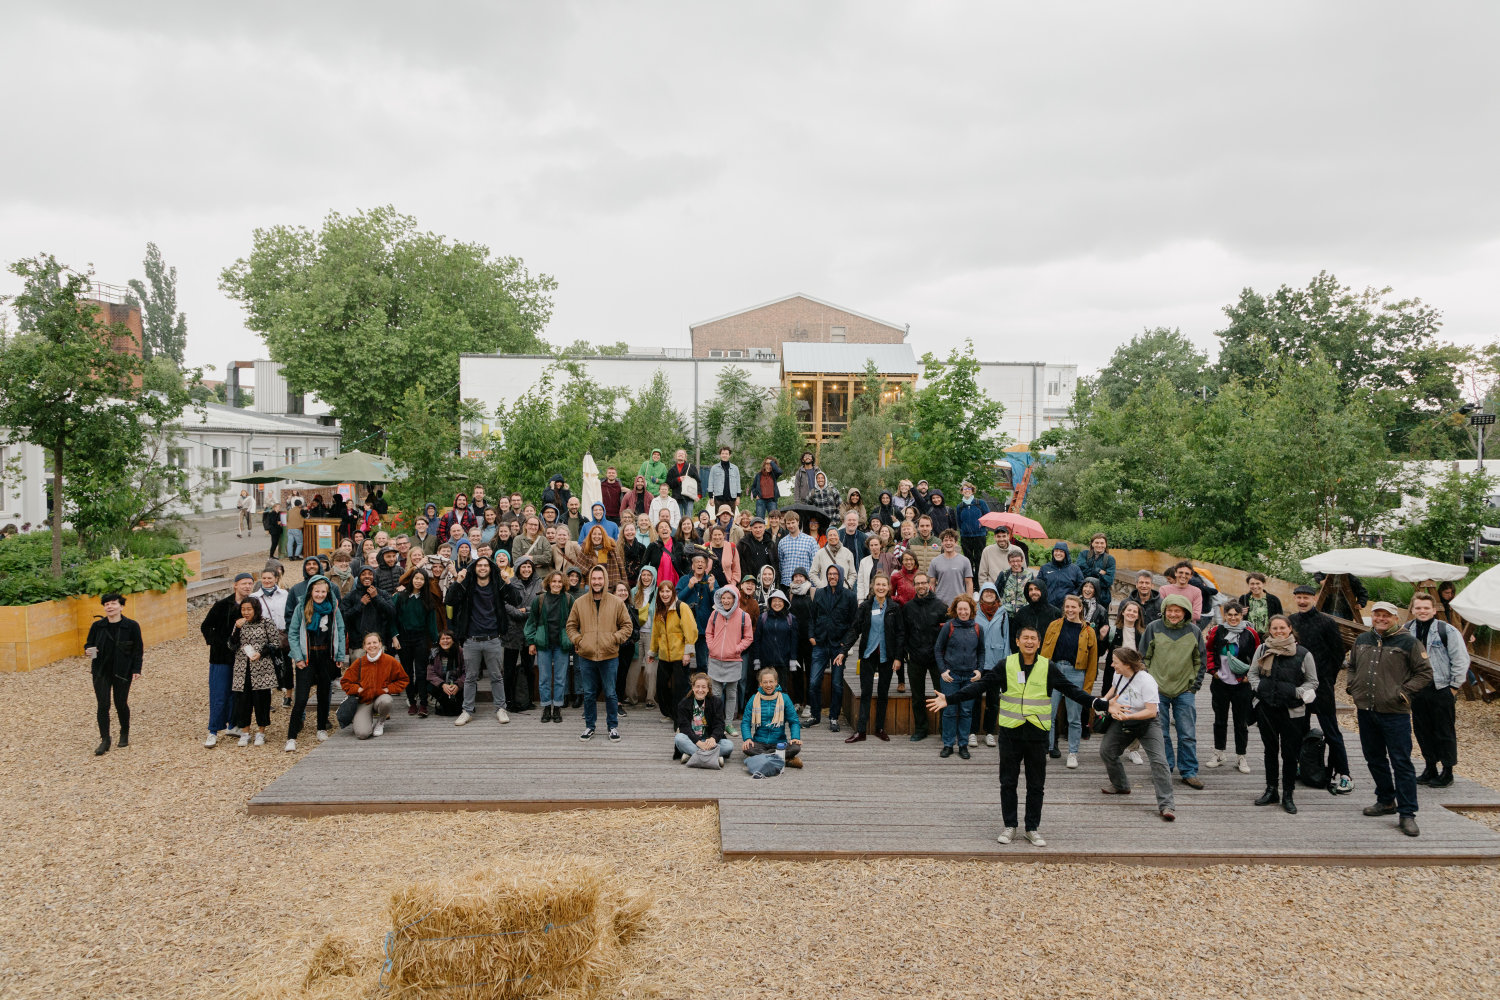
(1059, 580)
(761, 730)
(968, 518)
(1446, 652)
(996, 633)
(611, 529)
(776, 639)
(699, 597)
(1101, 568)
(959, 648)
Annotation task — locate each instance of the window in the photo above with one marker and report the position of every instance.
(177, 458)
(221, 459)
(734, 354)
(716, 354)
(291, 456)
(320, 452)
(838, 334)
(1054, 388)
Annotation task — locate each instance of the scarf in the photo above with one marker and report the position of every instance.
(802, 589)
(778, 714)
(1284, 646)
(321, 611)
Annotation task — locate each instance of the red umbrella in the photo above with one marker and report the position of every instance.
(1022, 527)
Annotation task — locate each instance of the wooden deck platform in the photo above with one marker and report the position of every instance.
(872, 799)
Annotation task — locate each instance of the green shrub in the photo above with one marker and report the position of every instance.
(147, 562)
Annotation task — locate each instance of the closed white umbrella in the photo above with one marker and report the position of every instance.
(591, 494)
(1479, 602)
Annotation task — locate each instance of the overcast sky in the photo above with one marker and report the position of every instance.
(1044, 178)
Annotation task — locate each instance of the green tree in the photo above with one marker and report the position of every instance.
(951, 424)
(780, 436)
(1151, 355)
(164, 328)
(61, 381)
(541, 436)
(1455, 510)
(423, 441)
(735, 413)
(1383, 353)
(862, 456)
(649, 421)
(582, 348)
(369, 293)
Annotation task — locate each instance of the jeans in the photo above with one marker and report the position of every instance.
(1385, 738)
(294, 543)
(1227, 699)
(729, 693)
(105, 685)
(1432, 720)
(491, 654)
(1075, 710)
(957, 719)
(1116, 740)
(1014, 751)
(815, 686)
(1182, 710)
(764, 507)
(552, 675)
(685, 508)
(1280, 732)
(596, 676)
(361, 715)
(1328, 720)
(683, 744)
(220, 679)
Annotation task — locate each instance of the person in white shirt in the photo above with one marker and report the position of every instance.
(871, 565)
(663, 503)
(273, 597)
(1132, 700)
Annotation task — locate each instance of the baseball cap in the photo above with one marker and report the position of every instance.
(1385, 606)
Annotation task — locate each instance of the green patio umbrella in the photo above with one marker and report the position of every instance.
(350, 467)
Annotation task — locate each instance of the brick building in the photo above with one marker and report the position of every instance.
(794, 319)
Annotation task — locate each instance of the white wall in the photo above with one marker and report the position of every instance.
(244, 449)
(23, 494)
(1031, 406)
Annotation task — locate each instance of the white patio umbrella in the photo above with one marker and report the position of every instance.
(1479, 602)
(1380, 563)
(591, 493)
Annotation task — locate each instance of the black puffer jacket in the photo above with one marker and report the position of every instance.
(923, 617)
(387, 577)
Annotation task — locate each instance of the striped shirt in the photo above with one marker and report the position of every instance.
(796, 551)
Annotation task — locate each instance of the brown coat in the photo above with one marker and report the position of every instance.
(1088, 650)
(598, 634)
(383, 676)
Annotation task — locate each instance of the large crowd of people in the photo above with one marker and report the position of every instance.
(737, 606)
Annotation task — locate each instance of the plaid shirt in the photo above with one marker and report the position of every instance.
(826, 499)
(796, 551)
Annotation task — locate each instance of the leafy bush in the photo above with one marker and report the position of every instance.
(129, 576)
(30, 588)
(147, 562)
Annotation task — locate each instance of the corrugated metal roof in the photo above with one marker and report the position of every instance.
(844, 359)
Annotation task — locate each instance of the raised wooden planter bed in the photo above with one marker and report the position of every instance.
(35, 635)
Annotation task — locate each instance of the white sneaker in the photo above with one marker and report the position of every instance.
(1035, 838)
(322, 735)
(989, 740)
(212, 741)
(1243, 766)
(260, 739)
(234, 731)
(973, 740)
(501, 716)
(1216, 759)
(463, 719)
(379, 729)
(245, 740)
(291, 745)
(721, 763)
(1136, 758)
(1072, 760)
(1006, 835)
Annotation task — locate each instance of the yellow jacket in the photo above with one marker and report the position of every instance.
(674, 633)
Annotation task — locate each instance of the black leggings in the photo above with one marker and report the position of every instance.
(275, 541)
(1279, 731)
(106, 685)
(319, 664)
(873, 675)
(1235, 698)
(413, 657)
(622, 670)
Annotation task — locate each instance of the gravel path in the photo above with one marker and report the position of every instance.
(139, 875)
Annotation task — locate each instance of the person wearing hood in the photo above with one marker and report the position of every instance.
(1060, 576)
(547, 637)
(1023, 687)
(805, 479)
(886, 510)
(875, 636)
(700, 723)
(770, 720)
(1285, 680)
(311, 567)
(730, 634)
(765, 487)
(1035, 613)
(1230, 650)
(445, 676)
(674, 633)
(833, 615)
(654, 471)
(825, 498)
(1172, 651)
(941, 514)
(557, 493)
(723, 488)
(799, 596)
(971, 533)
(318, 650)
(1071, 645)
(1096, 562)
(366, 609)
(636, 500)
(387, 571)
(994, 622)
(477, 600)
(853, 503)
(1387, 668)
(833, 553)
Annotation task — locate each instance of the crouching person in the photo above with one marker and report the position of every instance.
(700, 724)
(445, 675)
(770, 718)
(369, 683)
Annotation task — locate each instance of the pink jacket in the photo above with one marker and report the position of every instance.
(729, 635)
(729, 559)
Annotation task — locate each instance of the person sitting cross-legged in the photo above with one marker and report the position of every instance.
(700, 723)
(770, 718)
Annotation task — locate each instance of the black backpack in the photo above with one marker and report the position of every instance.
(1312, 767)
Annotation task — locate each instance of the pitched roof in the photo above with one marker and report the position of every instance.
(848, 359)
(800, 295)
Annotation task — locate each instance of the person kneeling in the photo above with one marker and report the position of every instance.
(770, 719)
(700, 725)
(445, 676)
(369, 683)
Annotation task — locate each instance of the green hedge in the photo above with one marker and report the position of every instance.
(148, 561)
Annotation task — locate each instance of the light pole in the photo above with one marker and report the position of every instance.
(1479, 420)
